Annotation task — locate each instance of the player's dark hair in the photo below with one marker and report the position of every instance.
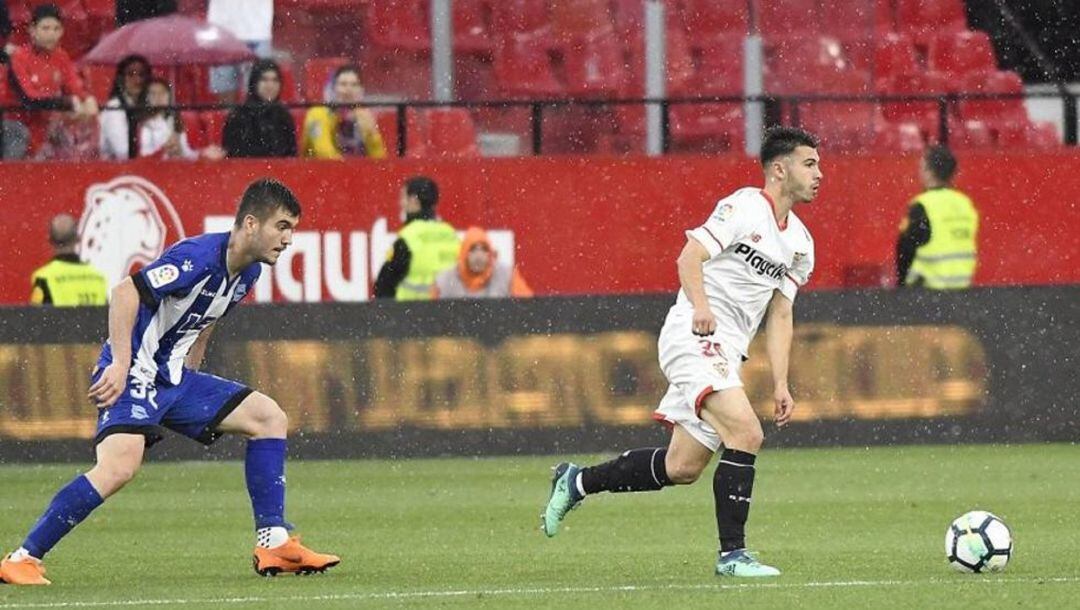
(45, 11)
(941, 162)
(780, 141)
(263, 197)
(424, 189)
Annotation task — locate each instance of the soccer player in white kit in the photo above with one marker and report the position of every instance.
(744, 264)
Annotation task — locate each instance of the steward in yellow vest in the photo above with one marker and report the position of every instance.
(425, 246)
(66, 281)
(937, 245)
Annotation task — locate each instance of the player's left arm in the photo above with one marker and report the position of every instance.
(779, 328)
(197, 352)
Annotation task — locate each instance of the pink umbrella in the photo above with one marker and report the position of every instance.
(174, 40)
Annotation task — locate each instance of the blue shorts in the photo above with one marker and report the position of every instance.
(194, 408)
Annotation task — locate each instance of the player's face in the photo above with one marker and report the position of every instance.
(802, 174)
(46, 33)
(274, 236)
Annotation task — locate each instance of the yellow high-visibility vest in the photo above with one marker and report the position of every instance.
(67, 282)
(434, 247)
(947, 261)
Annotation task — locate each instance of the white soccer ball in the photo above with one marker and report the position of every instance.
(978, 542)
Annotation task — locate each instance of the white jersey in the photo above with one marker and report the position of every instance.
(750, 256)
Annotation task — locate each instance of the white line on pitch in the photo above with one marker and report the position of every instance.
(398, 595)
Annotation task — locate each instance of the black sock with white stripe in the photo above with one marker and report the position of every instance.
(732, 485)
(634, 470)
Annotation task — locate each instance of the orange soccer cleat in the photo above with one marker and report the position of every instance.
(291, 557)
(29, 571)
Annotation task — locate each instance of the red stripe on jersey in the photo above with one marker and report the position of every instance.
(713, 237)
(772, 204)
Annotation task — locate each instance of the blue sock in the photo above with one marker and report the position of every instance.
(68, 508)
(264, 468)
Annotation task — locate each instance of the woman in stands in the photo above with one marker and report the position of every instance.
(161, 132)
(343, 131)
(119, 120)
(262, 127)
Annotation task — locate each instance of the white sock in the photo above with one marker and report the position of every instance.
(271, 537)
(19, 555)
(577, 484)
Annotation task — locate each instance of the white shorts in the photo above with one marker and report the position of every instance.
(695, 367)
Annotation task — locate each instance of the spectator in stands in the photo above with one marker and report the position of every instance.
(161, 132)
(334, 133)
(119, 121)
(425, 246)
(66, 281)
(252, 21)
(478, 274)
(262, 127)
(936, 248)
(42, 76)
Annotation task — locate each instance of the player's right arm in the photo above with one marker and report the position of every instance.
(692, 279)
(123, 308)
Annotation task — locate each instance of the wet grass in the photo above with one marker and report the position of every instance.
(849, 527)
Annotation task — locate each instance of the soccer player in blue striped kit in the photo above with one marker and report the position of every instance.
(148, 378)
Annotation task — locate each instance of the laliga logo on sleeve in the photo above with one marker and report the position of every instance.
(126, 222)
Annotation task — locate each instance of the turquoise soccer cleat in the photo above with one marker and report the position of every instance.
(563, 499)
(742, 563)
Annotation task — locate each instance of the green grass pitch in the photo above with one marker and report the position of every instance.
(850, 528)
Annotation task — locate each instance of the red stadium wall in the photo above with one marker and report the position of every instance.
(596, 225)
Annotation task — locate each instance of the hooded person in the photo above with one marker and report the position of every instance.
(262, 126)
(479, 274)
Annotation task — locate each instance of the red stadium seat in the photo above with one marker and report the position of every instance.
(398, 25)
(968, 134)
(416, 128)
(923, 113)
(99, 81)
(720, 66)
(195, 129)
(711, 18)
(678, 55)
(842, 125)
(897, 137)
(317, 74)
(786, 17)
(961, 53)
(894, 54)
(523, 67)
(451, 132)
(214, 122)
(594, 66)
(994, 110)
(856, 18)
(472, 34)
(803, 64)
(924, 19)
(572, 20)
(707, 128)
(519, 16)
(288, 83)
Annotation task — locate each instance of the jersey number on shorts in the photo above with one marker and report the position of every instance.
(710, 349)
(140, 390)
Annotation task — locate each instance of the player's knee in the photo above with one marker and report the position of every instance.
(116, 474)
(682, 472)
(748, 439)
(270, 419)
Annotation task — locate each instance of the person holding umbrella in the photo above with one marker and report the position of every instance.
(127, 101)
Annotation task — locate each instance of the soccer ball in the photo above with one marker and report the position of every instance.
(978, 542)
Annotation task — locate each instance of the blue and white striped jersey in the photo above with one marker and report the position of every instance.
(180, 294)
